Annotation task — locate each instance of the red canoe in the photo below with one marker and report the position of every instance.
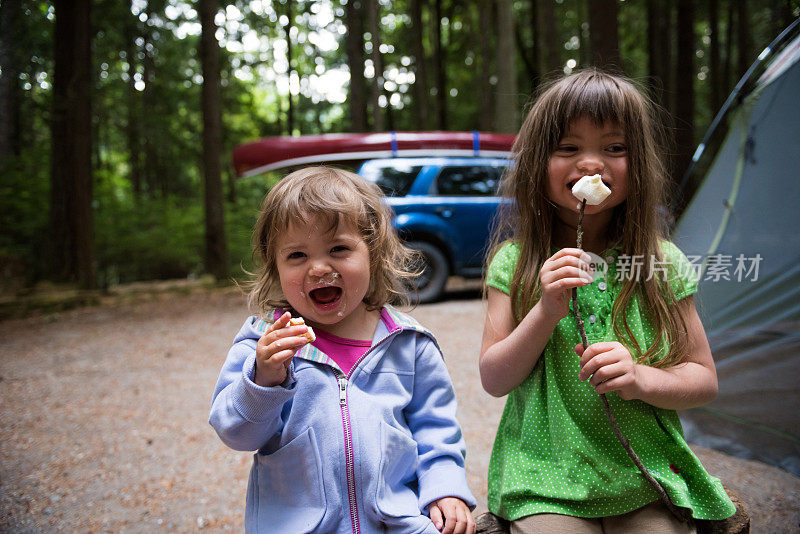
(275, 152)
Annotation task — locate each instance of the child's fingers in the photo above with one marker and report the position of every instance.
(281, 322)
(269, 351)
(283, 356)
(292, 344)
(457, 518)
(281, 328)
(280, 340)
(566, 278)
(461, 521)
(575, 252)
(621, 383)
(274, 334)
(599, 355)
(565, 284)
(450, 522)
(565, 271)
(436, 516)
(560, 288)
(581, 261)
(595, 364)
(596, 348)
(609, 369)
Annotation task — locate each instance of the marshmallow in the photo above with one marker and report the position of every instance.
(297, 321)
(592, 189)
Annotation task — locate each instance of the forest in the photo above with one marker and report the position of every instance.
(118, 118)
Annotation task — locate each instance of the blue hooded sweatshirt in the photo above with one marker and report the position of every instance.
(359, 453)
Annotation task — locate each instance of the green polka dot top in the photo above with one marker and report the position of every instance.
(555, 451)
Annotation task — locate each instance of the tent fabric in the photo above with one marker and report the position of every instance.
(742, 231)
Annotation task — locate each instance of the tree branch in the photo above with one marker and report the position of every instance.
(680, 513)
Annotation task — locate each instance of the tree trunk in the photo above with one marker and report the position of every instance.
(440, 63)
(781, 16)
(485, 92)
(152, 173)
(10, 92)
(507, 106)
(727, 68)
(354, 45)
(133, 111)
(584, 35)
(535, 52)
(715, 87)
(745, 41)
(378, 122)
(71, 159)
(528, 59)
(604, 35)
(421, 91)
(216, 245)
(659, 31)
(547, 36)
(289, 69)
(230, 174)
(684, 88)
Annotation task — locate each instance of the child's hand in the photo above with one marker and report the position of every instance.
(567, 268)
(275, 350)
(452, 516)
(609, 367)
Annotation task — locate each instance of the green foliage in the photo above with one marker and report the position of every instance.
(150, 126)
(157, 239)
(24, 214)
(241, 218)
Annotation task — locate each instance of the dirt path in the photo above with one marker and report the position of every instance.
(103, 420)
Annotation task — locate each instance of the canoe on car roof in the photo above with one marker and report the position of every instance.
(270, 153)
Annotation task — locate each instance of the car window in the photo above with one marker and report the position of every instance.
(474, 180)
(394, 181)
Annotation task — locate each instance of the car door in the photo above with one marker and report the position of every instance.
(466, 198)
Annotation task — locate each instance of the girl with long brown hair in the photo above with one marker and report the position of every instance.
(556, 463)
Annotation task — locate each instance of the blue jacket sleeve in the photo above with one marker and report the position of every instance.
(244, 414)
(431, 416)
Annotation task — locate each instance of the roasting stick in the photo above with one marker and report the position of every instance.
(679, 513)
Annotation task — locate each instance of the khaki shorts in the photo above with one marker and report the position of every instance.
(652, 519)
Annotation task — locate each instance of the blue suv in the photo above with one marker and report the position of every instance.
(444, 207)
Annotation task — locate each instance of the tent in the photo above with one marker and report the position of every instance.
(741, 229)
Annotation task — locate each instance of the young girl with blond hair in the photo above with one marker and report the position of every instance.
(556, 465)
(356, 430)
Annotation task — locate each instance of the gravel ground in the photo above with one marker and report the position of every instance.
(103, 418)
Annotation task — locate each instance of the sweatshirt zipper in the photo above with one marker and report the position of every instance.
(342, 379)
(348, 449)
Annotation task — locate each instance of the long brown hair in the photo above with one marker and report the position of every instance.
(335, 195)
(638, 226)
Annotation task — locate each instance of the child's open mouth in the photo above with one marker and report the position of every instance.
(326, 297)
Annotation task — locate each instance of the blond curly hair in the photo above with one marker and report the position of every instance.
(334, 195)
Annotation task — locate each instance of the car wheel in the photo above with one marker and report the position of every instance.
(429, 285)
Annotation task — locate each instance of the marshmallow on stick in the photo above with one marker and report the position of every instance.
(592, 189)
(297, 321)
